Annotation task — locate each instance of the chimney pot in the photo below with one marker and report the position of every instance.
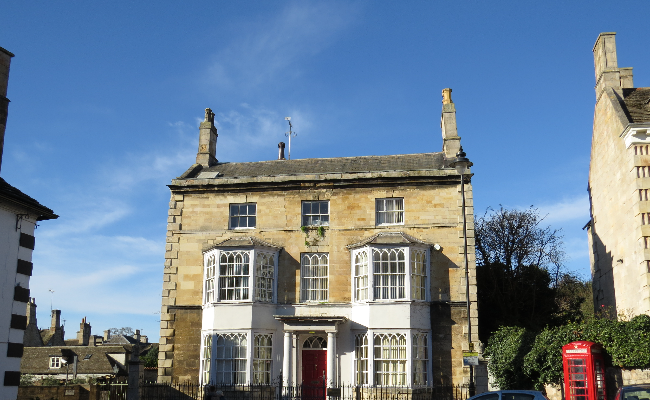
(281, 151)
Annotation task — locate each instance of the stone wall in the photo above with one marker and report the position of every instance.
(69, 392)
(198, 220)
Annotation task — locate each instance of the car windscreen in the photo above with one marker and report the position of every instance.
(517, 396)
(489, 396)
(636, 394)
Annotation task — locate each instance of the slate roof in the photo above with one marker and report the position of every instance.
(121, 339)
(36, 360)
(247, 241)
(12, 195)
(637, 104)
(401, 162)
(388, 238)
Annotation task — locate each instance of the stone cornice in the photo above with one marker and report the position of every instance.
(309, 181)
(636, 133)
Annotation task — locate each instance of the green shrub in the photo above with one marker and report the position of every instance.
(520, 359)
(506, 350)
(27, 379)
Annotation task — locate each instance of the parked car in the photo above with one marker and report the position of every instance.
(634, 392)
(513, 395)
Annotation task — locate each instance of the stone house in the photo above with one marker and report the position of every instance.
(343, 270)
(619, 182)
(19, 214)
(61, 362)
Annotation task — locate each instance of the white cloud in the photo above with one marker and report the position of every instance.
(568, 209)
(274, 47)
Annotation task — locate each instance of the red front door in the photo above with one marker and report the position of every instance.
(314, 374)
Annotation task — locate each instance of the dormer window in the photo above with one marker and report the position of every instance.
(240, 270)
(55, 362)
(390, 266)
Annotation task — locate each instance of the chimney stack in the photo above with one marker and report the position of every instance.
(450, 138)
(207, 153)
(56, 320)
(31, 311)
(107, 335)
(5, 61)
(83, 336)
(608, 74)
(281, 151)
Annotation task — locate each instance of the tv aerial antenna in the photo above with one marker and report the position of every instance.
(51, 299)
(290, 134)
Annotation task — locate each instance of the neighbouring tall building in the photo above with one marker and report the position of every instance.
(619, 182)
(336, 270)
(19, 214)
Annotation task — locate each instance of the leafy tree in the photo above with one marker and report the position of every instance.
(518, 269)
(150, 358)
(574, 299)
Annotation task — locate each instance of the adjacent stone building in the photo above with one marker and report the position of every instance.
(19, 214)
(337, 270)
(619, 182)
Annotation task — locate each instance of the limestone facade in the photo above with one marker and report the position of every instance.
(275, 268)
(619, 182)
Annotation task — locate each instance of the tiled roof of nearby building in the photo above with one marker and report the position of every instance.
(121, 339)
(91, 360)
(637, 103)
(51, 338)
(15, 196)
(401, 162)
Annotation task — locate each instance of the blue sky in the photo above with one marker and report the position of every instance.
(106, 98)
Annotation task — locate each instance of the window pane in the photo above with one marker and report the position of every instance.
(390, 359)
(314, 276)
(262, 361)
(234, 270)
(315, 213)
(389, 274)
(231, 362)
(242, 215)
(389, 211)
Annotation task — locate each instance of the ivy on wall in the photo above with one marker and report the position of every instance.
(520, 359)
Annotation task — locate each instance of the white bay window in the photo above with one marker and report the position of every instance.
(390, 272)
(243, 273)
(394, 359)
(228, 358)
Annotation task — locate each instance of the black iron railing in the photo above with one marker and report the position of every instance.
(189, 391)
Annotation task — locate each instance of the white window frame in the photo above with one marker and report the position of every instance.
(372, 364)
(251, 219)
(420, 358)
(231, 360)
(391, 209)
(260, 283)
(262, 359)
(314, 278)
(206, 358)
(363, 260)
(248, 359)
(305, 217)
(55, 362)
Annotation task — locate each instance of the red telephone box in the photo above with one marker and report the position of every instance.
(584, 371)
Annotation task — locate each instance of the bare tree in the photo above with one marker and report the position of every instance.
(515, 238)
(519, 266)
